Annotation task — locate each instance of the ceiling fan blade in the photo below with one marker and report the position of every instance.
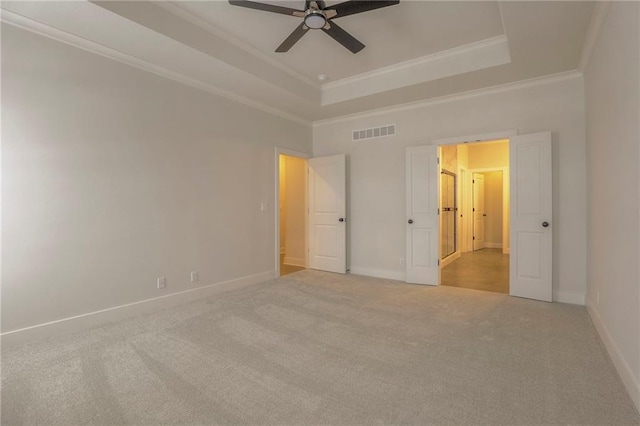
(344, 38)
(352, 7)
(267, 7)
(293, 38)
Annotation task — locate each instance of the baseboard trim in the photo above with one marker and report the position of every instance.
(447, 260)
(493, 245)
(570, 297)
(91, 319)
(294, 261)
(379, 273)
(626, 375)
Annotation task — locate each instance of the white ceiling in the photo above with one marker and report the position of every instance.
(393, 34)
(415, 50)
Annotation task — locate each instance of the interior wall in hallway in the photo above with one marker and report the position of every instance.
(493, 207)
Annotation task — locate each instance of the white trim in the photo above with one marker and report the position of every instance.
(449, 259)
(379, 273)
(600, 12)
(458, 60)
(91, 319)
(276, 203)
(295, 261)
(506, 212)
(522, 84)
(44, 30)
(480, 137)
(571, 297)
(626, 374)
(175, 9)
(493, 245)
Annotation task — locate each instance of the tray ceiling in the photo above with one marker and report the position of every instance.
(415, 50)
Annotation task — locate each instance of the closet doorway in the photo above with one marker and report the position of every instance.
(292, 213)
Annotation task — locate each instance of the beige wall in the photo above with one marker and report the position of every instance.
(493, 208)
(488, 155)
(295, 211)
(113, 176)
(449, 158)
(377, 170)
(612, 90)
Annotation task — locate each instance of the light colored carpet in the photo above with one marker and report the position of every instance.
(320, 348)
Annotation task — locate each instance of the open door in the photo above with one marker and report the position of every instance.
(422, 215)
(327, 214)
(479, 213)
(531, 227)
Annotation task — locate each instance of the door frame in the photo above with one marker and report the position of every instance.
(506, 193)
(480, 137)
(276, 204)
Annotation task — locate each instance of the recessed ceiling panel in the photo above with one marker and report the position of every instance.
(393, 34)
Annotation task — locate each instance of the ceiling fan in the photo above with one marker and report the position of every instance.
(318, 16)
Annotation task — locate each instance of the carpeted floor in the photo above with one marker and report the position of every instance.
(320, 348)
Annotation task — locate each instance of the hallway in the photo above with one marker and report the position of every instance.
(486, 270)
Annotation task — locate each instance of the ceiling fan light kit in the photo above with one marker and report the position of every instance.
(318, 16)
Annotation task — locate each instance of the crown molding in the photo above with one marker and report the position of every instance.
(600, 12)
(36, 27)
(522, 84)
(458, 60)
(175, 9)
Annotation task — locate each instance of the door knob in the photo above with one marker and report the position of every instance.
(341, 219)
(410, 221)
(545, 224)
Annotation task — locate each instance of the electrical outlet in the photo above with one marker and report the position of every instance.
(161, 282)
(194, 276)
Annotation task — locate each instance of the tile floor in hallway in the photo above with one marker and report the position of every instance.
(486, 269)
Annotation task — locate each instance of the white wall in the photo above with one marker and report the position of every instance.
(612, 86)
(113, 176)
(377, 205)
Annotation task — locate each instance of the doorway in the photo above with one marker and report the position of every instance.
(292, 213)
(474, 199)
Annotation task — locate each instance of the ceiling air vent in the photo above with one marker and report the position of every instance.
(374, 132)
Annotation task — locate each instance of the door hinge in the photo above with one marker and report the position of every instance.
(474, 237)
(437, 160)
(438, 210)
(474, 209)
(438, 262)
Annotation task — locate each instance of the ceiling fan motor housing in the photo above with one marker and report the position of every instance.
(315, 19)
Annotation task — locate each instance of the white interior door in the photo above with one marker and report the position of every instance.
(531, 227)
(422, 215)
(327, 214)
(479, 213)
